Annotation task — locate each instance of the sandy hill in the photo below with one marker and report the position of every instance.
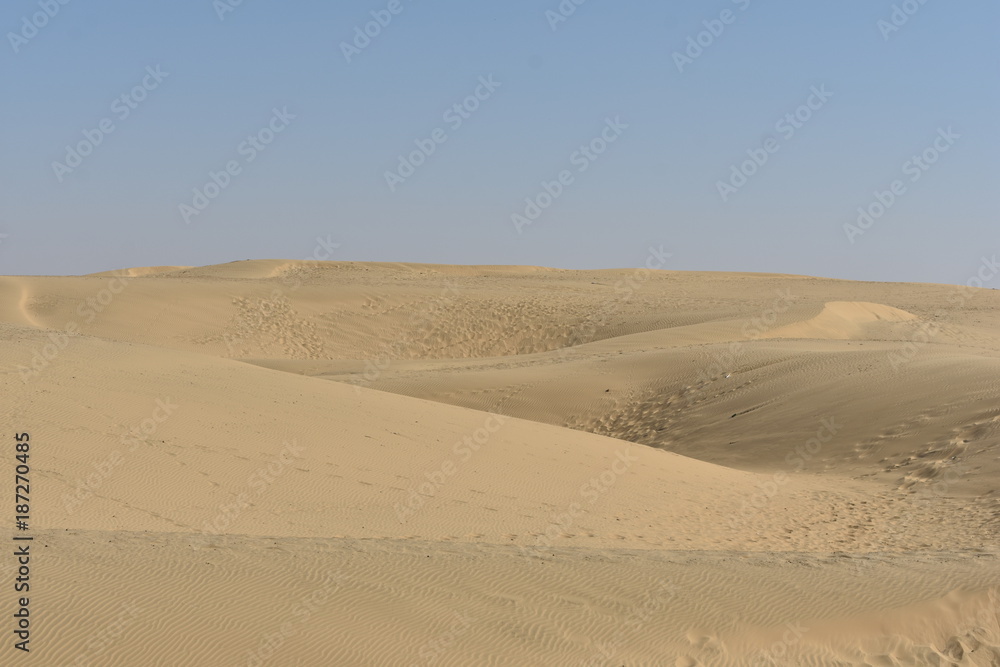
(423, 464)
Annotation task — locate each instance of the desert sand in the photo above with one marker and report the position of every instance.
(335, 463)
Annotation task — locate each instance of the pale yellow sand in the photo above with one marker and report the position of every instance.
(289, 463)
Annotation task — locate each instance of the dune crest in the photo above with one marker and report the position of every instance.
(843, 320)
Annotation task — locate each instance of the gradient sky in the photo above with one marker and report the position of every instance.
(324, 175)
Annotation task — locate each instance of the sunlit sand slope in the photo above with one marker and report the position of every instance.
(283, 462)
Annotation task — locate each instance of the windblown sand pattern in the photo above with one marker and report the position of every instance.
(330, 463)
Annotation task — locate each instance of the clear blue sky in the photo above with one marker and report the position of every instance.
(324, 174)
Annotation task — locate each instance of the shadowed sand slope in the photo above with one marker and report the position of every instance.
(422, 464)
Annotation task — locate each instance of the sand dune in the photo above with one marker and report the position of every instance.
(141, 271)
(844, 320)
(421, 464)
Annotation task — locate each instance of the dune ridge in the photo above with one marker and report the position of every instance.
(423, 464)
